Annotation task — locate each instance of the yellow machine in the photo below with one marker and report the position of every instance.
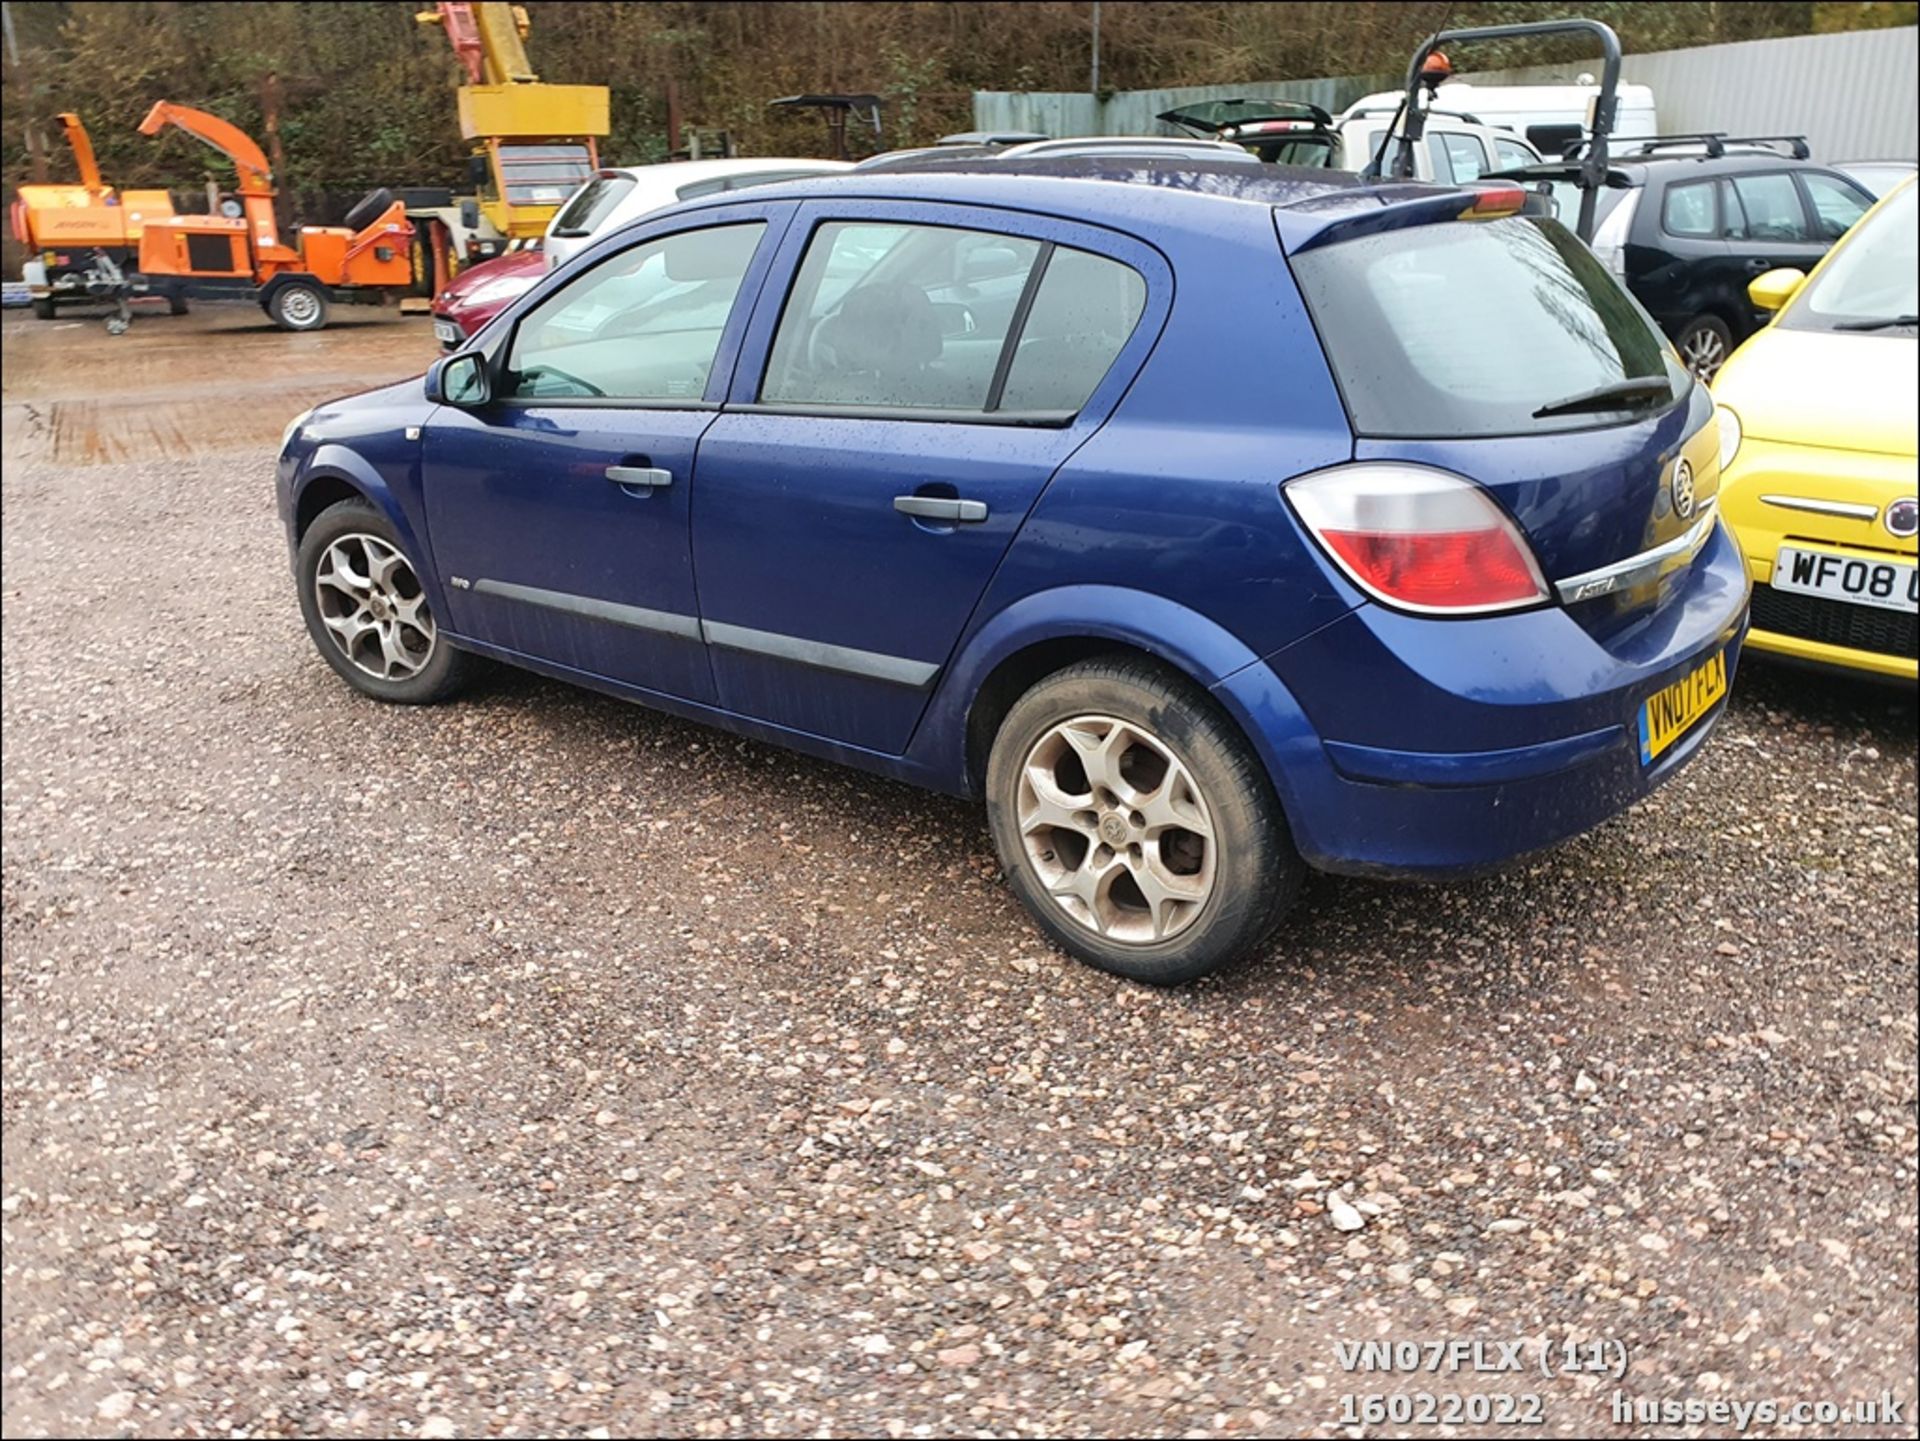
(534, 143)
(75, 230)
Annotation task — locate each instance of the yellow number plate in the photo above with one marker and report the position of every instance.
(1669, 713)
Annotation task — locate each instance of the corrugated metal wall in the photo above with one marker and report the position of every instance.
(1855, 96)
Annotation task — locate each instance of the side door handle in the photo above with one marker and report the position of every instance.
(639, 477)
(1760, 266)
(940, 507)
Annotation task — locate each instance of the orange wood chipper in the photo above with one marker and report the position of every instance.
(367, 259)
(82, 239)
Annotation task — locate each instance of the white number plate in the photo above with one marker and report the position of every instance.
(446, 332)
(1884, 583)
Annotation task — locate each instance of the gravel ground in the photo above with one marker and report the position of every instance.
(537, 1063)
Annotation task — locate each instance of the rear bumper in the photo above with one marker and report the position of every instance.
(1376, 728)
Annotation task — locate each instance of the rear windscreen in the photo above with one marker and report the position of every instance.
(1470, 328)
(591, 204)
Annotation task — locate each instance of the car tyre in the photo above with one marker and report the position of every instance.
(366, 612)
(1704, 343)
(1136, 824)
(298, 305)
(45, 310)
(176, 304)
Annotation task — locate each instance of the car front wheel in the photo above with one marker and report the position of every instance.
(367, 612)
(1136, 824)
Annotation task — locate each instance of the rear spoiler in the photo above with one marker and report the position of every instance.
(1332, 218)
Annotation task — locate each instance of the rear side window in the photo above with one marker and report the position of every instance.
(1689, 210)
(1836, 204)
(1545, 324)
(591, 204)
(1082, 314)
(1769, 209)
(1512, 152)
(935, 318)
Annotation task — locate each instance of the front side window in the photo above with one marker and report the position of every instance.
(1456, 157)
(1836, 204)
(1770, 206)
(1689, 211)
(1512, 152)
(641, 325)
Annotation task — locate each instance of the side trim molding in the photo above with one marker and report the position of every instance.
(870, 664)
(634, 617)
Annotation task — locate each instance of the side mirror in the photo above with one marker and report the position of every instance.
(1773, 290)
(469, 215)
(459, 380)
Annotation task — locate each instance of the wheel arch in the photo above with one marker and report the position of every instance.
(1047, 631)
(335, 473)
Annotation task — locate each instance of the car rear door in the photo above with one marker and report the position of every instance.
(1677, 258)
(912, 377)
(558, 512)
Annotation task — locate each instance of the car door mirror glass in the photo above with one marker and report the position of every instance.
(460, 380)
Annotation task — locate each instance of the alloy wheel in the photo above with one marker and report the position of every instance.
(301, 307)
(1704, 353)
(1116, 829)
(372, 606)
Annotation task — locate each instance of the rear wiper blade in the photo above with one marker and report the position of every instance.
(1608, 397)
(1885, 322)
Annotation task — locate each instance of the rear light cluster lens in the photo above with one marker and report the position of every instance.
(1419, 539)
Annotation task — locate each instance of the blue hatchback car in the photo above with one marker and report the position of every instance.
(1210, 522)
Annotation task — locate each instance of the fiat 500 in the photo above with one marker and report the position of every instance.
(1209, 525)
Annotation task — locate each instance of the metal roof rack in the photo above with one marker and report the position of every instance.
(1713, 144)
(1465, 115)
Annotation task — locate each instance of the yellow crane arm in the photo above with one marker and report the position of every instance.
(488, 38)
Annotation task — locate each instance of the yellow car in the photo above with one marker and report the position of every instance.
(1818, 451)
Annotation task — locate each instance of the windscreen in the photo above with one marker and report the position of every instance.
(1872, 282)
(1477, 328)
(592, 203)
(542, 174)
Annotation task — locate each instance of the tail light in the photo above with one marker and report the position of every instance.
(1419, 539)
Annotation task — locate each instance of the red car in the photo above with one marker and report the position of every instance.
(482, 291)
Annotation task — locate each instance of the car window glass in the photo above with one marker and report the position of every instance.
(1689, 210)
(1511, 152)
(1836, 205)
(1772, 207)
(592, 203)
(897, 317)
(1872, 276)
(1083, 311)
(1464, 154)
(641, 325)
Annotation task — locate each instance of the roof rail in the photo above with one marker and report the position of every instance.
(1713, 143)
(1467, 116)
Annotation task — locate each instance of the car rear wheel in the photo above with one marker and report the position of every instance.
(44, 310)
(1704, 344)
(367, 612)
(1136, 824)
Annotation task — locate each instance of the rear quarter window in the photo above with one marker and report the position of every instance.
(1469, 328)
(1691, 211)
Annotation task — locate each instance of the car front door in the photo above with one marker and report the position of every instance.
(558, 511)
(898, 408)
